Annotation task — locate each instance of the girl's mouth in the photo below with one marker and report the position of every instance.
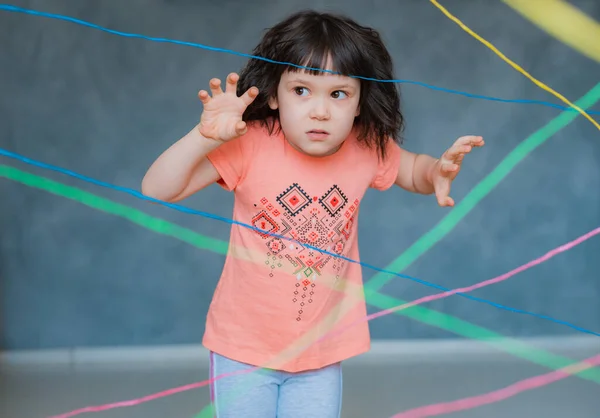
(317, 134)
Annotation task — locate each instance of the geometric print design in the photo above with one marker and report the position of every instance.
(294, 199)
(286, 228)
(276, 245)
(326, 225)
(345, 231)
(313, 233)
(305, 286)
(333, 201)
(264, 224)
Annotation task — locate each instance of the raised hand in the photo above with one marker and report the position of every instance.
(221, 119)
(448, 166)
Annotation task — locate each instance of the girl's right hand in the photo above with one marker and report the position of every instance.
(221, 119)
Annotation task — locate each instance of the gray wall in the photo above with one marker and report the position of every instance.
(105, 106)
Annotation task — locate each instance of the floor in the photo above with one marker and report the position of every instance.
(378, 385)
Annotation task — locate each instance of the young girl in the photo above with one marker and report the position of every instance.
(298, 148)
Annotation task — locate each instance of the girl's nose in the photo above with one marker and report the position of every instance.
(320, 111)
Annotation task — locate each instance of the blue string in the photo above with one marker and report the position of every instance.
(231, 221)
(11, 8)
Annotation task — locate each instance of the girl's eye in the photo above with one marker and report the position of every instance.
(337, 94)
(299, 90)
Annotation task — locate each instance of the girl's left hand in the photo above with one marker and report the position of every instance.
(448, 166)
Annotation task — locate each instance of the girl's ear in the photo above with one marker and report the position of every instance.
(357, 111)
(273, 104)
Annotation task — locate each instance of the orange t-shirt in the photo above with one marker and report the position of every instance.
(276, 297)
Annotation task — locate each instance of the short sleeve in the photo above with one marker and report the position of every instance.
(387, 169)
(231, 160)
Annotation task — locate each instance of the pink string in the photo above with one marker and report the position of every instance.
(152, 397)
(191, 386)
(498, 279)
(501, 394)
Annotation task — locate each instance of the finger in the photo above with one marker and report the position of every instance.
(477, 142)
(444, 200)
(241, 128)
(231, 83)
(249, 96)
(458, 150)
(203, 96)
(441, 194)
(472, 140)
(215, 87)
(449, 168)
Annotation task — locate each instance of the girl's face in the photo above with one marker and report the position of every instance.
(316, 112)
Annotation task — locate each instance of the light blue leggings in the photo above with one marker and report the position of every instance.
(274, 394)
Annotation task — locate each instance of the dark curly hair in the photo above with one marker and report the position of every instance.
(309, 39)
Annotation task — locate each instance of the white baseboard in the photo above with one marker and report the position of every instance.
(382, 352)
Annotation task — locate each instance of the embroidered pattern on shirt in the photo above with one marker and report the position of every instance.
(323, 222)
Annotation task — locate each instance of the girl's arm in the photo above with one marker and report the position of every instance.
(415, 172)
(182, 169)
(420, 173)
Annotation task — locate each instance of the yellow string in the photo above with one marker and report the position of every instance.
(514, 65)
